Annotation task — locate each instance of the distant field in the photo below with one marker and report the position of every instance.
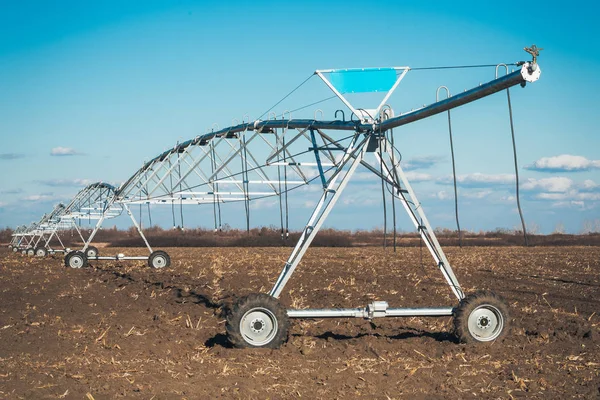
(272, 237)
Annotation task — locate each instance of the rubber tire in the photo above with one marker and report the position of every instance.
(468, 305)
(247, 303)
(69, 256)
(159, 253)
(30, 251)
(91, 252)
(41, 252)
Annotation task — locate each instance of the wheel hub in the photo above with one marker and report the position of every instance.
(76, 262)
(483, 322)
(486, 323)
(257, 325)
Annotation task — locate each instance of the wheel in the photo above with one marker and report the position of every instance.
(481, 317)
(91, 252)
(257, 320)
(15, 249)
(24, 251)
(41, 252)
(30, 251)
(159, 259)
(76, 259)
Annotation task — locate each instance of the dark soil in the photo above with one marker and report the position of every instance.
(122, 330)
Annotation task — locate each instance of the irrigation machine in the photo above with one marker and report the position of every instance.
(251, 160)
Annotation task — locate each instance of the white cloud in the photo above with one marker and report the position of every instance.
(11, 156)
(11, 191)
(421, 162)
(478, 194)
(589, 185)
(569, 204)
(479, 180)
(418, 177)
(64, 151)
(563, 163)
(267, 203)
(571, 199)
(555, 184)
(442, 195)
(309, 204)
(66, 182)
(38, 197)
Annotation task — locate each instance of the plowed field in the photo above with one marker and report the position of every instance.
(122, 330)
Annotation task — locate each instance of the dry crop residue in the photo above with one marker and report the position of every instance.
(122, 330)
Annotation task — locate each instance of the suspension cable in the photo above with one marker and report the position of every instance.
(512, 131)
(458, 67)
(313, 104)
(286, 96)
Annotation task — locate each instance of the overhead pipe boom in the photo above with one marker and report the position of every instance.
(529, 72)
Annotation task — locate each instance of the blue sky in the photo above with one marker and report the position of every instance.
(91, 90)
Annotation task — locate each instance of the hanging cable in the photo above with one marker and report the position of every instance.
(383, 193)
(287, 215)
(149, 215)
(215, 189)
(172, 200)
(512, 131)
(148, 203)
(279, 183)
(180, 196)
(454, 179)
(245, 185)
(391, 133)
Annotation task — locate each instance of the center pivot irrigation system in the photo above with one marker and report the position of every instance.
(252, 160)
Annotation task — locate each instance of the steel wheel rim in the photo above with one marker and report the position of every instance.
(30, 252)
(159, 261)
(486, 323)
(76, 261)
(91, 253)
(258, 326)
(40, 253)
